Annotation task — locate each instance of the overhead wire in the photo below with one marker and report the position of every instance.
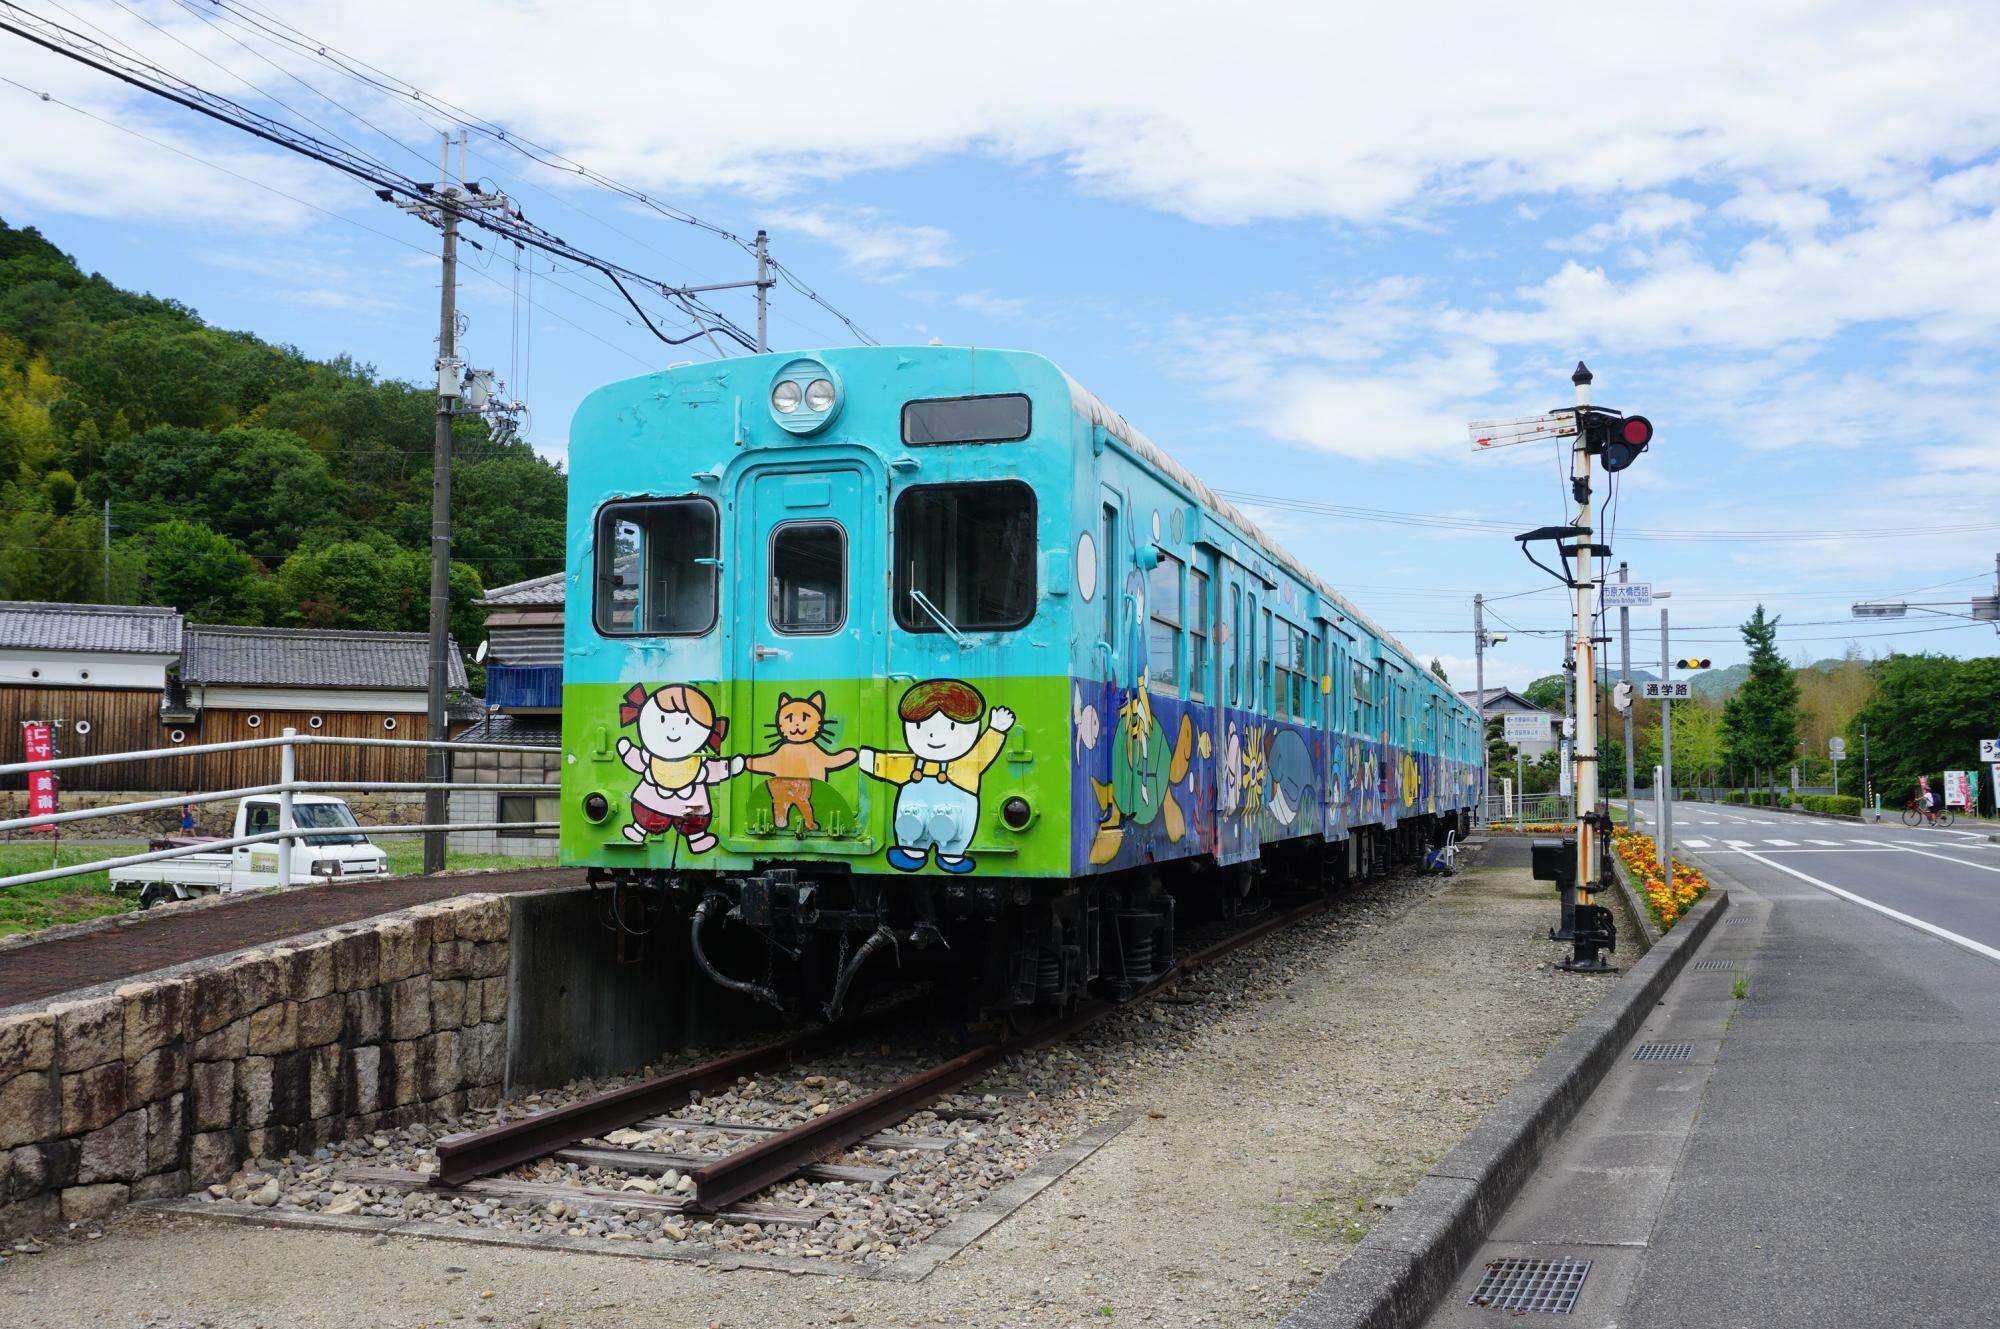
(548, 157)
(149, 77)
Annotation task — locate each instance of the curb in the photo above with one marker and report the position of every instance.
(1649, 927)
(1405, 1267)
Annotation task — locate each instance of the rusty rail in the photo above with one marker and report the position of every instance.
(744, 1172)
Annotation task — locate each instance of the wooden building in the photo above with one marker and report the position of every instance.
(96, 674)
(118, 678)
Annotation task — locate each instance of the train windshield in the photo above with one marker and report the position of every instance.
(1002, 418)
(965, 557)
(656, 562)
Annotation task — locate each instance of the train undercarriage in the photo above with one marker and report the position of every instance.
(808, 938)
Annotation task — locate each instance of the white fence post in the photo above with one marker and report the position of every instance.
(288, 774)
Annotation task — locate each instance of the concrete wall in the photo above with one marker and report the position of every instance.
(475, 808)
(166, 1085)
(582, 1005)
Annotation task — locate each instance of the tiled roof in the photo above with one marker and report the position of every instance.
(534, 591)
(311, 658)
(43, 626)
(542, 731)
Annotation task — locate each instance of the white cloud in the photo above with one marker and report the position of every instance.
(1299, 111)
(989, 304)
(1647, 217)
(878, 249)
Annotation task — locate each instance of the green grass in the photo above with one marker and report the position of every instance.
(65, 900)
(406, 858)
(1742, 988)
(44, 904)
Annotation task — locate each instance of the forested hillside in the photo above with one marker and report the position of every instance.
(247, 483)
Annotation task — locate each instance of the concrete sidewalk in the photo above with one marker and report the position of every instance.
(1820, 1153)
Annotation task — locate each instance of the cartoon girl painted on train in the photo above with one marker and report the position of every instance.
(677, 724)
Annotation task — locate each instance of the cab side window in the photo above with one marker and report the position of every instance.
(655, 568)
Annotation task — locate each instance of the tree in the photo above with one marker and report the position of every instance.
(201, 573)
(1760, 721)
(1927, 715)
(1697, 741)
(1546, 693)
(1437, 667)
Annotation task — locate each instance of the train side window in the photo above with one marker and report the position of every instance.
(1163, 640)
(1270, 699)
(1111, 584)
(1253, 700)
(808, 565)
(1198, 633)
(1235, 644)
(1286, 664)
(968, 550)
(656, 568)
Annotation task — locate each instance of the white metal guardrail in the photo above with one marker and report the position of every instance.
(289, 832)
(1513, 809)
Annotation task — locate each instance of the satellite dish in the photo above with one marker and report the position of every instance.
(479, 653)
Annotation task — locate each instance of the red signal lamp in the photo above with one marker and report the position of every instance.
(1625, 439)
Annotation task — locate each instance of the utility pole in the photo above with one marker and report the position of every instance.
(1479, 686)
(1666, 845)
(107, 551)
(1868, 785)
(443, 208)
(763, 290)
(1625, 677)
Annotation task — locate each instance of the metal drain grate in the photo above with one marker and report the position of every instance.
(1714, 964)
(1531, 1285)
(1663, 1052)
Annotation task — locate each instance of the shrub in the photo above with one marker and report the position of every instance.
(1838, 805)
(1733, 796)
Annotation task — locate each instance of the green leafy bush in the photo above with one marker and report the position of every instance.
(1837, 805)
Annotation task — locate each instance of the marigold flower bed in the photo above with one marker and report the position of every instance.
(1669, 900)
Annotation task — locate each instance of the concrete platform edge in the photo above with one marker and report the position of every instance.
(1402, 1269)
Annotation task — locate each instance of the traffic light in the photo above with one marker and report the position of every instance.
(1690, 664)
(1618, 439)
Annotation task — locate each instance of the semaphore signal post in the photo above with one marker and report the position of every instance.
(1579, 864)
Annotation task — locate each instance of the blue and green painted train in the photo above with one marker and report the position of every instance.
(922, 656)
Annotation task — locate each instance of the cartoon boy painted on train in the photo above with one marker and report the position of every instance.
(676, 725)
(938, 805)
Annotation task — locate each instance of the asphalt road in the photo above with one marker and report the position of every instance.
(1946, 878)
(1822, 1151)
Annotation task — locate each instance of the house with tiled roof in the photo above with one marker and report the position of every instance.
(126, 678)
(523, 658)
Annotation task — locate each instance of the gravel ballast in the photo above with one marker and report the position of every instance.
(1251, 1127)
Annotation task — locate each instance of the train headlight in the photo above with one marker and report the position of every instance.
(596, 807)
(1016, 813)
(805, 396)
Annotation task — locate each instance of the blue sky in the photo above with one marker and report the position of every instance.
(1301, 253)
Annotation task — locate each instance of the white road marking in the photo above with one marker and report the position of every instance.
(1738, 844)
(1977, 948)
(1694, 844)
(1834, 843)
(1946, 858)
(1784, 844)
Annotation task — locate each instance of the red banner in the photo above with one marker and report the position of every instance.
(41, 746)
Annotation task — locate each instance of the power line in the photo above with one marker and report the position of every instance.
(549, 158)
(1439, 521)
(151, 78)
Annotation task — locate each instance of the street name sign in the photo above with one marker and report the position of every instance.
(1525, 728)
(1667, 689)
(1490, 434)
(1628, 595)
(1989, 750)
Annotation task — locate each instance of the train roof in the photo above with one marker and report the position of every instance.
(1092, 407)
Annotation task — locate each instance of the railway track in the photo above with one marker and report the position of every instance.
(720, 1185)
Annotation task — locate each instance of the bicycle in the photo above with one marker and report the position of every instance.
(1915, 814)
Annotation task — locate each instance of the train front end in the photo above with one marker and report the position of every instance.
(815, 667)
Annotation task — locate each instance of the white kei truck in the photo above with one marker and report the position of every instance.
(335, 851)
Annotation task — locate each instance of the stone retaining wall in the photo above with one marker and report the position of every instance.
(164, 1086)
